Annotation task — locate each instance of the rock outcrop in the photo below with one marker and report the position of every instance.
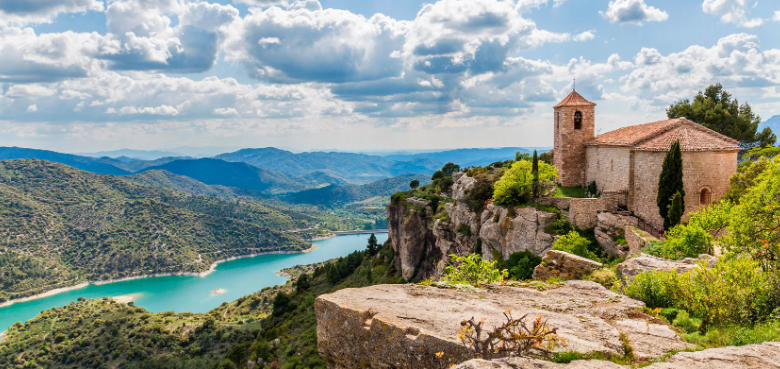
(404, 326)
(763, 356)
(423, 243)
(632, 267)
(564, 265)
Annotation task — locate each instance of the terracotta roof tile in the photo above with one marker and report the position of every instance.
(659, 136)
(575, 99)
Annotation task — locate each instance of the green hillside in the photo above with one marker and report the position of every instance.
(252, 180)
(81, 162)
(335, 196)
(60, 226)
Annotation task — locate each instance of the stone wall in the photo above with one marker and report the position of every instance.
(609, 167)
(570, 144)
(583, 212)
(637, 239)
(565, 266)
(700, 169)
(561, 203)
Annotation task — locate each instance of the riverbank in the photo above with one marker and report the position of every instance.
(211, 269)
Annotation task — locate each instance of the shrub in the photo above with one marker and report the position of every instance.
(472, 269)
(736, 290)
(515, 185)
(515, 337)
(520, 265)
(482, 191)
(574, 243)
(560, 226)
(464, 229)
(685, 241)
(686, 323)
(414, 184)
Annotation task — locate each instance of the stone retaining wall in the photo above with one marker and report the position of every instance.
(564, 265)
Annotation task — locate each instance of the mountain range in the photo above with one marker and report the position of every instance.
(467, 157)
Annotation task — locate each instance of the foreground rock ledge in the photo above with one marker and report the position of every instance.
(764, 356)
(404, 326)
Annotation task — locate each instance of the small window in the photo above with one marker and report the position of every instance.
(705, 197)
(578, 120)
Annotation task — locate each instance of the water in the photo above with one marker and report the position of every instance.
(183, 293)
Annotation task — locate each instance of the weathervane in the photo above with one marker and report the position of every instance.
(574, 87)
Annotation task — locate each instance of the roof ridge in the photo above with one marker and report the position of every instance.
(674, 123)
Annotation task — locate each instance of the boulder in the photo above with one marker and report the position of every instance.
(632, 267)
(405, 326)
(506, 235)
(637, 240)
(764, 356)
(564, 265)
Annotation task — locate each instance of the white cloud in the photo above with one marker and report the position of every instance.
(633, 12)
(585, 36)
(29, 91)
(261, 2)
(157, 110)
(32, 108)
(736, 60)
(23, 12)
(776, 18)
(225, 111)
(732, 11)
(307, 43)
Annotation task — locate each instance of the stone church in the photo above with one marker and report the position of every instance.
(628, 161)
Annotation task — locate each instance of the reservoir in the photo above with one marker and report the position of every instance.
(233, 279)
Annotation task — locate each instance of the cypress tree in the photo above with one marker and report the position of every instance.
(535, 170)
(670, 183)
(676, 210)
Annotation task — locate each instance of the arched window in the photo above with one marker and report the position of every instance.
(705, 196)
(578, 120)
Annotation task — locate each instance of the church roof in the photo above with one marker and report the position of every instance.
(659, 136)
(574, 99)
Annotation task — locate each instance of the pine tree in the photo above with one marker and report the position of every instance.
(670, 183)
(373, 245)
(676, 210)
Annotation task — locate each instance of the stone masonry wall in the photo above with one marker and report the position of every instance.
(570, 144)
(609, 167)
(700, 169)
(565, 266)
(583, 212)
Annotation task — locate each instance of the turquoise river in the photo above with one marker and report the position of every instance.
(183, 293)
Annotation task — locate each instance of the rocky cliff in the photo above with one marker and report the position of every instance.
(425, 231)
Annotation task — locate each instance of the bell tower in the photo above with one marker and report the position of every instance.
(575, 121)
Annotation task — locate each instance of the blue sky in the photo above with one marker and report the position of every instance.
(89, 75)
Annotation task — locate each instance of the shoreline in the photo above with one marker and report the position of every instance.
(211, 269)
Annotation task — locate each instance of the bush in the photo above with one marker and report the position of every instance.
(574, 243)
(482, 191)
(736, 290)
(560, 226)
(472, 270)
(685, 241)
(520, 265)
(515, 185)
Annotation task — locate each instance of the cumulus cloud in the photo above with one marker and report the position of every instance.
(776, 18)
(732, 11)
(225, 111)
(32, 108)
(22, 12)
(261, 2)
(585, 36)
(304, 42)
(633, 12)
(736, 60)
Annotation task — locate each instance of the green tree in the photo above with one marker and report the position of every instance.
(438, 175)
(574, 243)
(745, 178)
(302, 283)
(670, 182)
(676, 209)
(715, 109)
(537, 188)
(373, 245)
(450, 168)
(547, 158)
(515, 185)
(414, 184)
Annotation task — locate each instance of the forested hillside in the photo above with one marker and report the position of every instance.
(334, 196)
(81, 162)
(60, 226)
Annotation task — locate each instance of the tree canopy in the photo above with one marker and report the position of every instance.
(670, 183)
(515, 186)
(717, 110)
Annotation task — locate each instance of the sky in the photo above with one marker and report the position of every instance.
(94, 75)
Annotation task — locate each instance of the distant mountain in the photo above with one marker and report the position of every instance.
(467, 157)
(70, 226)
(235, 174)
(336, 196)
(80, 162)
(137, 165)
(174, 182)
(131, 154)
(357, 168)
(773, 123)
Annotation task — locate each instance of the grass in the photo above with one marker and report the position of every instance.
(576, 192)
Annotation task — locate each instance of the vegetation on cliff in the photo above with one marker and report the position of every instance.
(60, 226)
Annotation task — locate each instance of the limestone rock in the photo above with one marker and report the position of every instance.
(637, 239)
(764, 356)
(506, 235)
(632, 267)
(406, 325)
(564, 265)
(516, 363)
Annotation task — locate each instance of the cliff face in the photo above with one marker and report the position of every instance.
(423, 239)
